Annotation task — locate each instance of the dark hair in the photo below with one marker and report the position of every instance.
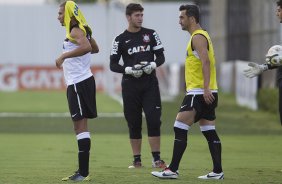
(279, 3)
(133, 7)
(191, 11)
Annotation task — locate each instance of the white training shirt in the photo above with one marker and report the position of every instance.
(76, 69)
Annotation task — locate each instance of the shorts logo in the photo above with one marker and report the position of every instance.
(146, 38)
(73, 115)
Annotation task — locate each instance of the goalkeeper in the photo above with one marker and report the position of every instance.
(141, 51)
(273, 60)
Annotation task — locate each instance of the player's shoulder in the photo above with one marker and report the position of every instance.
(147, 30)
(200, 33)
(121, 36)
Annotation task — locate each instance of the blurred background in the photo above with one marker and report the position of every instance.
(241, 30)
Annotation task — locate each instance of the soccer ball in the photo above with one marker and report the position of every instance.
(274, 50)
(274, 55)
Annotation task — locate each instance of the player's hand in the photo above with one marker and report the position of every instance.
(274, 60)
(255, 69)
(208, 96)
(135, 72)
(59, 62)
(148, 67)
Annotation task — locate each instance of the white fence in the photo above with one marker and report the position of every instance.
(231, 76)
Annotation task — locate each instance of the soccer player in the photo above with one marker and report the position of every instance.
(142, 52)
(271, 63)
(81, 89)
(201, 97)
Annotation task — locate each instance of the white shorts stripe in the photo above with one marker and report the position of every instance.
(78, 100)
(191, 105)
(181, 125)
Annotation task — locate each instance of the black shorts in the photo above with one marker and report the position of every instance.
(82, 99)
(203, 110)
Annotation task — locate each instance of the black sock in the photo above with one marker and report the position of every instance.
(215, 149)
(83, 156)
(137, 158)
(156, 155)
(180, 144)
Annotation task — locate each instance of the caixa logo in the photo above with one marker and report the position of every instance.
(142, 48)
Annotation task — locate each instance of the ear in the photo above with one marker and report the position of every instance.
(128, 17)
(193, 18)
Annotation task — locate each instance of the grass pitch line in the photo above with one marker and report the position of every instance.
(53, 115)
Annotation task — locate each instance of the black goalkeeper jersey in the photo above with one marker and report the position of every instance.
(144, 45)
(279, 74)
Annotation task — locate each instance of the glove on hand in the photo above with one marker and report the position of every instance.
(255, 69)
(134, 71)
(148, 67)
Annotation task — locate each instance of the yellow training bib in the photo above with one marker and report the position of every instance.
(193, 65)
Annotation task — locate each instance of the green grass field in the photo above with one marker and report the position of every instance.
(43, 150)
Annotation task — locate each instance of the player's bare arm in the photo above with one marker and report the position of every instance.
(200, 45)
(94, 46)
(84, 46)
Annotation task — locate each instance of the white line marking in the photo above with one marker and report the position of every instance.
(53, 115)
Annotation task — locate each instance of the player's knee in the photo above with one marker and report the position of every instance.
(135, 130)
(154, 128)
(135, 133)
(80, 126)
(135, 127)
(154, 132)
